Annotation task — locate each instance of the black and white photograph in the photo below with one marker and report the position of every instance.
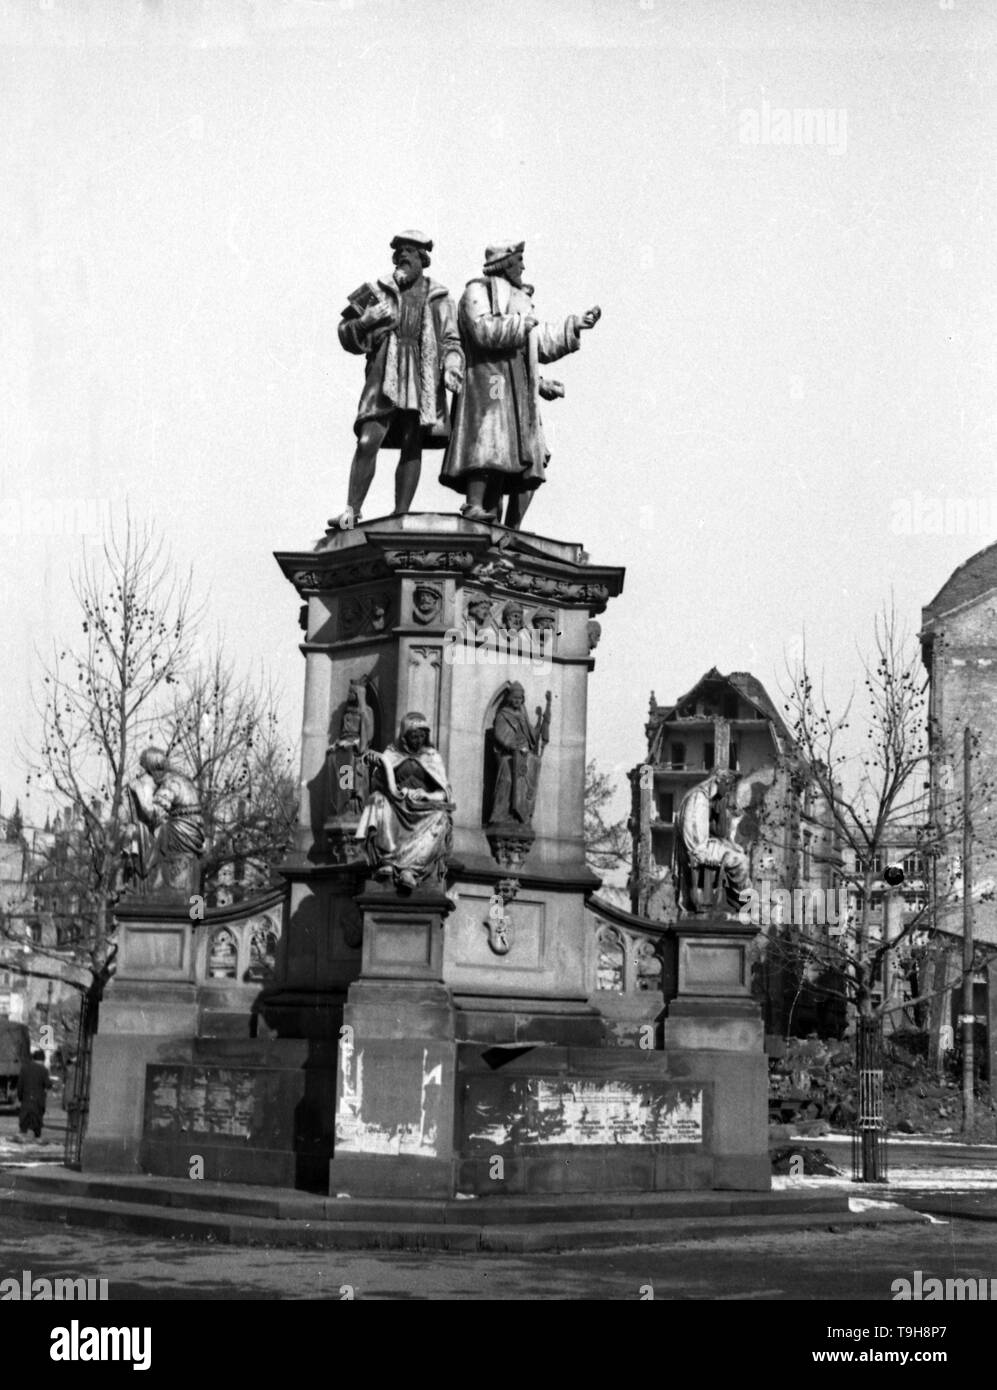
(498, 724)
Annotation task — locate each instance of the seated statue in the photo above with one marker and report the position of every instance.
(700, 842)
(407, 823)
(168, 828)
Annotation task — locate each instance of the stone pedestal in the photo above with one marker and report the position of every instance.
(180, 1085)
(149, 1013)
(714, 1031)
(437, 614)
(397, 1055)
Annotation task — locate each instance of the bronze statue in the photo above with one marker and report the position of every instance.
(497, 445)
(168, 828)
(406, 326)
(347, 769)
(519, 748)
(701, 842)
(407, 823)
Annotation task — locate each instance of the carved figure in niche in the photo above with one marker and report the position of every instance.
(426, 603)
(701, 842)
(479, 613)
(407, 822)
(344, 759)
(223, 955)
(594, 633)
(167, 839)
(513, 616)
(406, 326)
(262, 950)
(519, 748)
(497, 447)
(544, 625)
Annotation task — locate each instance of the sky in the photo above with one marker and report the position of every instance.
(785, 211)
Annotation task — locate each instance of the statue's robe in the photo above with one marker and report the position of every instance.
(177, 813)
(700, 841)
(170, 833)
(405, 363)
(518, 773)
(496, 425)
(407, 823)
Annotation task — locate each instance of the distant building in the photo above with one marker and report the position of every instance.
(959, 649)
(729, 721)
(39, 916)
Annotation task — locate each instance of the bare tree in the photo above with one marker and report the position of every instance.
(99, 703)
(607, 843)
(869, 765)
(226, 733)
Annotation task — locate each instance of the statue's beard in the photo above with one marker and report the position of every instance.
(406, 275)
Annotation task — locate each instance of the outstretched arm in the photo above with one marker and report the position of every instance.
(557, 340)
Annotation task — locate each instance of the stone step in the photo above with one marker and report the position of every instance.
(271, 1204)
(233, 1229)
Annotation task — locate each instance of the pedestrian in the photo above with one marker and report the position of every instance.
(32, 1085)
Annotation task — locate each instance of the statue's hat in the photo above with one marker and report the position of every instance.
(500, 251)
(412, 238)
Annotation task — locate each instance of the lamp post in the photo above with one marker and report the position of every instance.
(967, 1018)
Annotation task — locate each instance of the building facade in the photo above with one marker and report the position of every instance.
(959, 650)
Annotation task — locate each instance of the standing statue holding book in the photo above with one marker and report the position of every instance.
(406, 327)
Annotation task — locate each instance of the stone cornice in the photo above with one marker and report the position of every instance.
(492, 558)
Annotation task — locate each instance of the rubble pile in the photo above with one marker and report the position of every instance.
(812, 1085)
(803, 1163)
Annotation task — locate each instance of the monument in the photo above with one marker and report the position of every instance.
(406, 326)
(497, 447)
(450, 1008)
(701, 843)
(167, 829)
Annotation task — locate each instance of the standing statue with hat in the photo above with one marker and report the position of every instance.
(406, 326)
(497, 446)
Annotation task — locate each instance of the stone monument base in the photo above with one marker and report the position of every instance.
(548, 1119)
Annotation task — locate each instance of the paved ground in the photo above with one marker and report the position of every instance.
(854, 1265)
(14, 1145)
(955, 1182)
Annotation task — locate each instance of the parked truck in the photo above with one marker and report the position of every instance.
(15, 1048)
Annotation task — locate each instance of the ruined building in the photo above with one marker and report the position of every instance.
(959, 649)
(730, 721)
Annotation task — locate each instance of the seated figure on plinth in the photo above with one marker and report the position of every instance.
(167, 839)
(701, 842)
(407, 822)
